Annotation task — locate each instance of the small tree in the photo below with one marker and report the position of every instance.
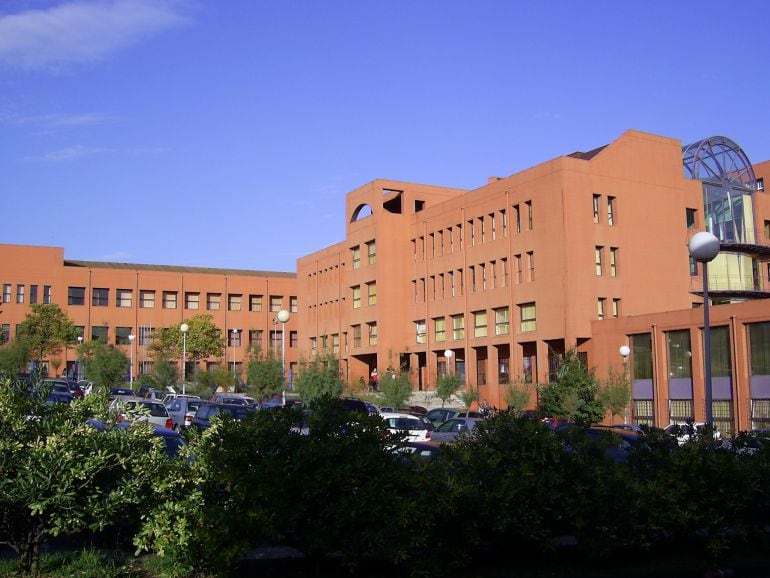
(319, 377)
(105, 365)
(574, 393)
(616, 393)
(46, 330)
(517, 396)
(396, 389)
(264, 374)
(165, 373)
(468, 397)
(446, 386)
(204, 339)
(13, 357)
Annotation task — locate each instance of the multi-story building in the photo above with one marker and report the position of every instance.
(497, 283)
(112, 301)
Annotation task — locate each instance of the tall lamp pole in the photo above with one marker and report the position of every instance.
(77, 377)
(234, 333)
(704, 247)
(184, 328)
(448, 355)
(283, 316)
(131, 367)
(624, 351)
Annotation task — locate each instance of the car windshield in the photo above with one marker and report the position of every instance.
(193, 405)
(406, 423)
(237, 413)
(156, 409)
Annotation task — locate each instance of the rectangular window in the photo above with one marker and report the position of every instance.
(335, 343)
(313, 345)
(517, 219)
(255, 303)
(529, 214)
(598, 252)
(641, 356)
(721, 360)
(213, 301)
(124, 298)
(32, 294)
(234, 302)
(643, 412)
(493, 225)
(146, 299)
(451, 240)
(759, 342)
(432, 243)
(693, 267)
(502, 326)
(192, 300)
(169, 299)
(479, 323)
(419, 328)
(472, 276)
(517, 263)
(440, 242)
(275, 303)
(451, 283)
(483, 230)
(356, 257)
(472, 232)
(504, 262)
(616, 308)
(460, 235)
(356, 336)
(100, 297)
(293, 304)
(439, 329)
(611, 211)
(145, 335)
(356, 297)
(458, 327)
(371, 252)
(613, 261)
(679, 354)
(7, 293)
(483, 271)
(5, 333)
(76, 295)
(293, 340)
(760, 184)
(234, 338)
(596, 202)
(46, 294)
(121, 336)
(690, 217)
(504, 219)
(481, 372)
(372, 292)
(99, 333)
(528, 315)
(600, 307)
(372, 333)
(255, 338)
(19, 293)
(531, 261)
(680, 410)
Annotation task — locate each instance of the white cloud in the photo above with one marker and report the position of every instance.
(66, 154)
(80, 31)
(56, 121)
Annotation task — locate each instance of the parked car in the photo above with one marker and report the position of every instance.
(142, 409)
(354, 404)
(59, 397)
(233, 398)
(182, 409)
(616, 444)
(207, 411)
(172, 441)
(424, 450)
(452, 428)
(64, 385)
(439, 415)
(414, 428)
(689, 431)
(121, 392)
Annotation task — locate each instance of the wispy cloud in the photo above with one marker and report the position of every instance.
(65, 154)
(59, 121)
(79, 31)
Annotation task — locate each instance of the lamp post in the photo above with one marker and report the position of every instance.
(184, 328)
(131, 367)
(448, 355)
(283, 316)
(234, 333)
(77, 377)
(624, 351)
(704, 247)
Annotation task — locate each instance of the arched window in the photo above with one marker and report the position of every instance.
(362, 211)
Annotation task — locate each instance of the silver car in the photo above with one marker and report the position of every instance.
(141, 409)
(182, 409)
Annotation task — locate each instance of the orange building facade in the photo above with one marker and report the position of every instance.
(111, 301)
(497, 283)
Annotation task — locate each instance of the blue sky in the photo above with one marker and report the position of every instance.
(227, 133)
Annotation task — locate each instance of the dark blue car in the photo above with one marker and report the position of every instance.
(206, 412)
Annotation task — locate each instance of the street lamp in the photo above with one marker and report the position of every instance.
(704, 247)
(77, 377)
(184, 328)
(624, 351)
(448, 355)
(235, 335)
(283, 316)
(131, 367)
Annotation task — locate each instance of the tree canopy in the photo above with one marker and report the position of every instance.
(319, 377)
(105, 365)
(46, 329)
(204, 339)
(574, 393)
(446, 386)
(264, 374)
(395, 389)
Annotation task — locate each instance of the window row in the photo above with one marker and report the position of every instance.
(329, 344)
(100, 297)
(371, 294)
(483, 229)
(611, 212)
(602, 303)
(500, 316)
(600, 260)
(21, 294)
(371, 254)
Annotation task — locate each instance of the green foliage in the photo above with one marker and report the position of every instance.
(165, 373)
(14, 357)
(222, 378)
(517, 396)
(105, 365)
(319, 377)
(204, 339)
(396, 389)
(574, 394)
(469, 397)
(615, 393)
(264, 374)
(446, 386)
(59, 475)
(45, 330)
